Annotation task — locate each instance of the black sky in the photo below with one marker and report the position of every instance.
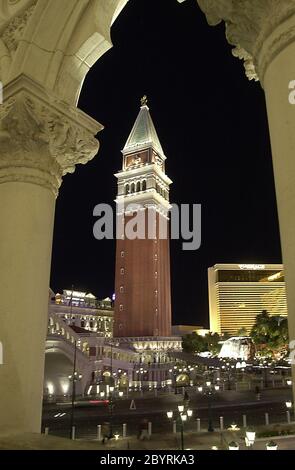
(212, 124)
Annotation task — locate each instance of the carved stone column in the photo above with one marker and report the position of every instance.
(263, 33)
(41, 139)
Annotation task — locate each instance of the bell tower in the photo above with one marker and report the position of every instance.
(142, 284)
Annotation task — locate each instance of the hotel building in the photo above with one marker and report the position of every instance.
(240, 292)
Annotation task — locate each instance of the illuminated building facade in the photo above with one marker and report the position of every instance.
(83, 310)
(240, 292)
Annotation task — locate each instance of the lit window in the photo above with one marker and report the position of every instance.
(156, 292)
(121, 307)
(122, 254)
(156, 274)
(122, 271)
(156, 257)
(121, 289)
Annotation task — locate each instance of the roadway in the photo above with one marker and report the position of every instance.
(231, 405)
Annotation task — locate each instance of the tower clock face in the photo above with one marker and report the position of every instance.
(136, 159)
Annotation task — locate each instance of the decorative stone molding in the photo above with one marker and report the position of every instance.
(259, 29)
(41, 138)
(14, 17)
(9, 9)
(15, 29)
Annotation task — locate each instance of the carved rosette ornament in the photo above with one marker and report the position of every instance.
(42, 141)
(259, 29)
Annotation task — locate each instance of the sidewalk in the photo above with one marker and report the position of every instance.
(200, 441)
(192, 441)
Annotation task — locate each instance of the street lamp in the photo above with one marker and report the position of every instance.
(288, 404)
(74, 377)
(250, 438)
(181, 417)
(271, 446)
(175, 372)
(111, 408)
(210, 389)
(289, 382)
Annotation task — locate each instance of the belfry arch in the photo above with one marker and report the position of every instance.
(43, 135)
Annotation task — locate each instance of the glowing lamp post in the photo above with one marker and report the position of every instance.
(210, 389)
(289, 406)
(111, 409)
(181, 418)
(74, 377)
(289, 382)
(250, 438)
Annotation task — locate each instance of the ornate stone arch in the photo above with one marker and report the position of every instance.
(57, 58)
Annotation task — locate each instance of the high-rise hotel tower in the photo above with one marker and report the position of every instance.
(240, 292)
(142, 286)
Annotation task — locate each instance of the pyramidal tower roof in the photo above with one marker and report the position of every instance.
(143, 133)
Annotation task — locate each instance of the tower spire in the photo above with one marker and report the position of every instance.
(143, 134)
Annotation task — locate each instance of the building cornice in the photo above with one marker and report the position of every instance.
(143, 171)
(141, 147)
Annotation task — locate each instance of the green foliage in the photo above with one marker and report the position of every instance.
(270, 333)
(282, 432)
(194, 343)
(242, 331)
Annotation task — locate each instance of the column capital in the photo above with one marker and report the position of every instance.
(41, 137)
(259, 29)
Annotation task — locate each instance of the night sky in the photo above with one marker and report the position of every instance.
(212, 124)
